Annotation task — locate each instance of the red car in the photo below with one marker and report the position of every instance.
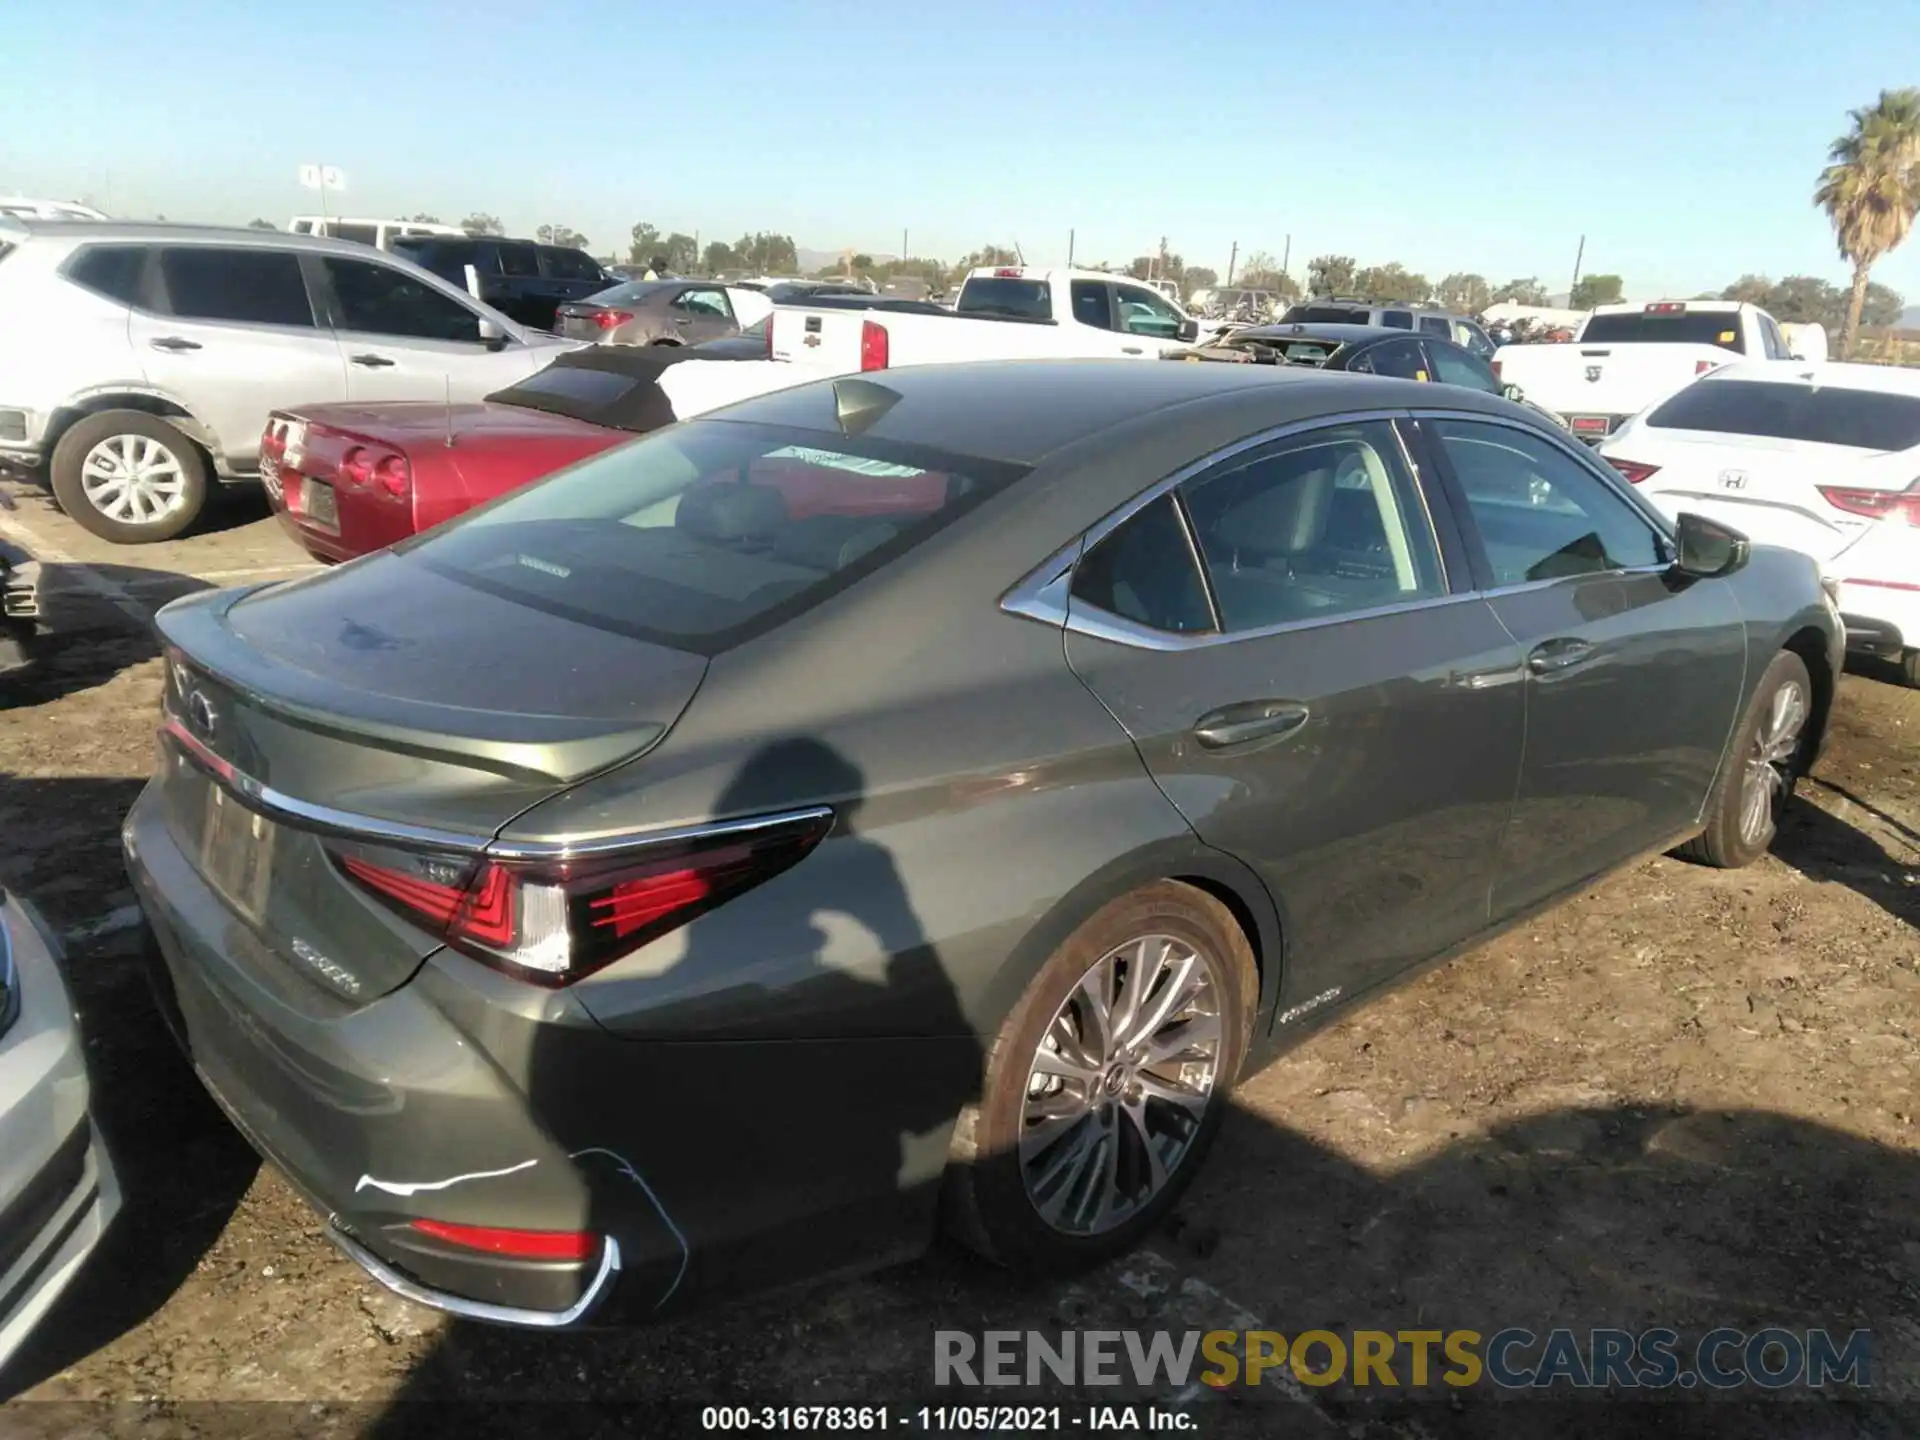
(349, 479)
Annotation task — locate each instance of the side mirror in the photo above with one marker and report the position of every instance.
(492, 335)
(1796, 355)
(1513, 392)
(1707, 549)
(1188, 332)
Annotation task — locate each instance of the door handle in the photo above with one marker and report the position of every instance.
(1131, 350)
(174, 343)
(1248, 721)
(373, 362)
(1553, 656)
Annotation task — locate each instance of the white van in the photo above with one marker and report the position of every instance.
(376, 233)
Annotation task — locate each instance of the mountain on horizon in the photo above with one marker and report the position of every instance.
(1910, 318)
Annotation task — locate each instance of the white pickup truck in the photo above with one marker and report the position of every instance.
(1628, 356)
(1003, 313)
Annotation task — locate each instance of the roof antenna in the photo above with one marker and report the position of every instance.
(449, 383)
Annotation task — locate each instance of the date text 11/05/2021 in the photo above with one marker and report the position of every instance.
(951, 1419)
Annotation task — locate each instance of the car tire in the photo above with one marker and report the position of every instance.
(1744, 807)
(1910, 667)
(172, 470)
(999, 1200)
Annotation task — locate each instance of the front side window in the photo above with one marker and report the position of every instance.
(702, 534)
(252, 286)
(1145, 572)
(1145, 312)
(568, 264)
(1325, 524)
(1540, 514)
(522, 262)
(1454, 366)
(1398, 358)
(377, 299)
(1473, 339)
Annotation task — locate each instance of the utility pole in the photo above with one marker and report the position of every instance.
(1286, 256)
(1233, 259)
(1070, 235)
(904, 252)
(1578, 256)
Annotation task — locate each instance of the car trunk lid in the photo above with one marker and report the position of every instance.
(381, 704)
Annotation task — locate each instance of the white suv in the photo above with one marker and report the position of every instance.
(139, 363)
(1821, 458)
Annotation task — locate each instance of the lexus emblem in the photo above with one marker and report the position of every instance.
(201, 715)
(1733, 479)
(1593, 372)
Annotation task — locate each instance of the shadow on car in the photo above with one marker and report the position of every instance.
(182, 1168)
(86, 637)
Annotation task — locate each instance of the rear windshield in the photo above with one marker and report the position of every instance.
(630, 293)
(1326, 315)
(701, 536)
(1688, 327)
(1823, 415)
(1002, 295)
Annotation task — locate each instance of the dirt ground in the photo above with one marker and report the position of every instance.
(1686, 1099)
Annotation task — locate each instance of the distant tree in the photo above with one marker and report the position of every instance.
(682, 253)
(767, 253)
(560, 235)
(1465, 292)
(481, 223)
(1751, 290)
(1332, 274)
(645, 244)
(1140, 266)
(1394, 281)
(1199, 277)
(1870, 190)
(1882, 307)
(259, 224)
(1592, 290)
(718, 256)
(1260, 271)
(985, 256)
(1522, 292)
(425, 219)
(862, 264)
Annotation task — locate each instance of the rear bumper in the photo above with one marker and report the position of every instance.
(1881, 620)
(58, 1190)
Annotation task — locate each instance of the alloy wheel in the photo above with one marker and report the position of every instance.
(134, 479)
(1120, 1084)
(1770, 762)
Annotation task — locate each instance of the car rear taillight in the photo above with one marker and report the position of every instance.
(873, 346)
(1008, 273)
(518, 1244)
(395, 476)
(1632, 469)
(1667, 307)
(273, 444)
(1877, 504)
(356, 466)
(554, 921)
(611, 319)
(1701, 367)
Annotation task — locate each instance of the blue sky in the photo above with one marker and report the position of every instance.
(1682, 139)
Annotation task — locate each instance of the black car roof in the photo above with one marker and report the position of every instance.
(1040, 406)
(1315, 330)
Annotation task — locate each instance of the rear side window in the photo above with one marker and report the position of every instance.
(381, 300)
(360, 234)
(562, 264)
(1455, 366)
(520, 261)
(1090, 306)
(1003, 295)
(704, 534)
(1683, 327)
(1145, 572)
(1399, 358)
(258, 287)
(110, 270)
(1823, 415)
(1436, 325)
(1398, 319)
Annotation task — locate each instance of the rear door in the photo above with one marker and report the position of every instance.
(1309, 682)
(405, 339)
(231, 333)
(1633, 675)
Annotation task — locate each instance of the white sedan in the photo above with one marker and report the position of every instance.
(1823, 458)
(58, 1192)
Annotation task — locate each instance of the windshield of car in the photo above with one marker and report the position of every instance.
(1006, 296)
(1820, 415)
(1674, 327)
(704, 534)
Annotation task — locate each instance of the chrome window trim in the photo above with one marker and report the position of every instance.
(327, 820)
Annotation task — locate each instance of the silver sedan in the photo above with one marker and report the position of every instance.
(58, 1191)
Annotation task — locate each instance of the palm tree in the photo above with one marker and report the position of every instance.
(1871, 189)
